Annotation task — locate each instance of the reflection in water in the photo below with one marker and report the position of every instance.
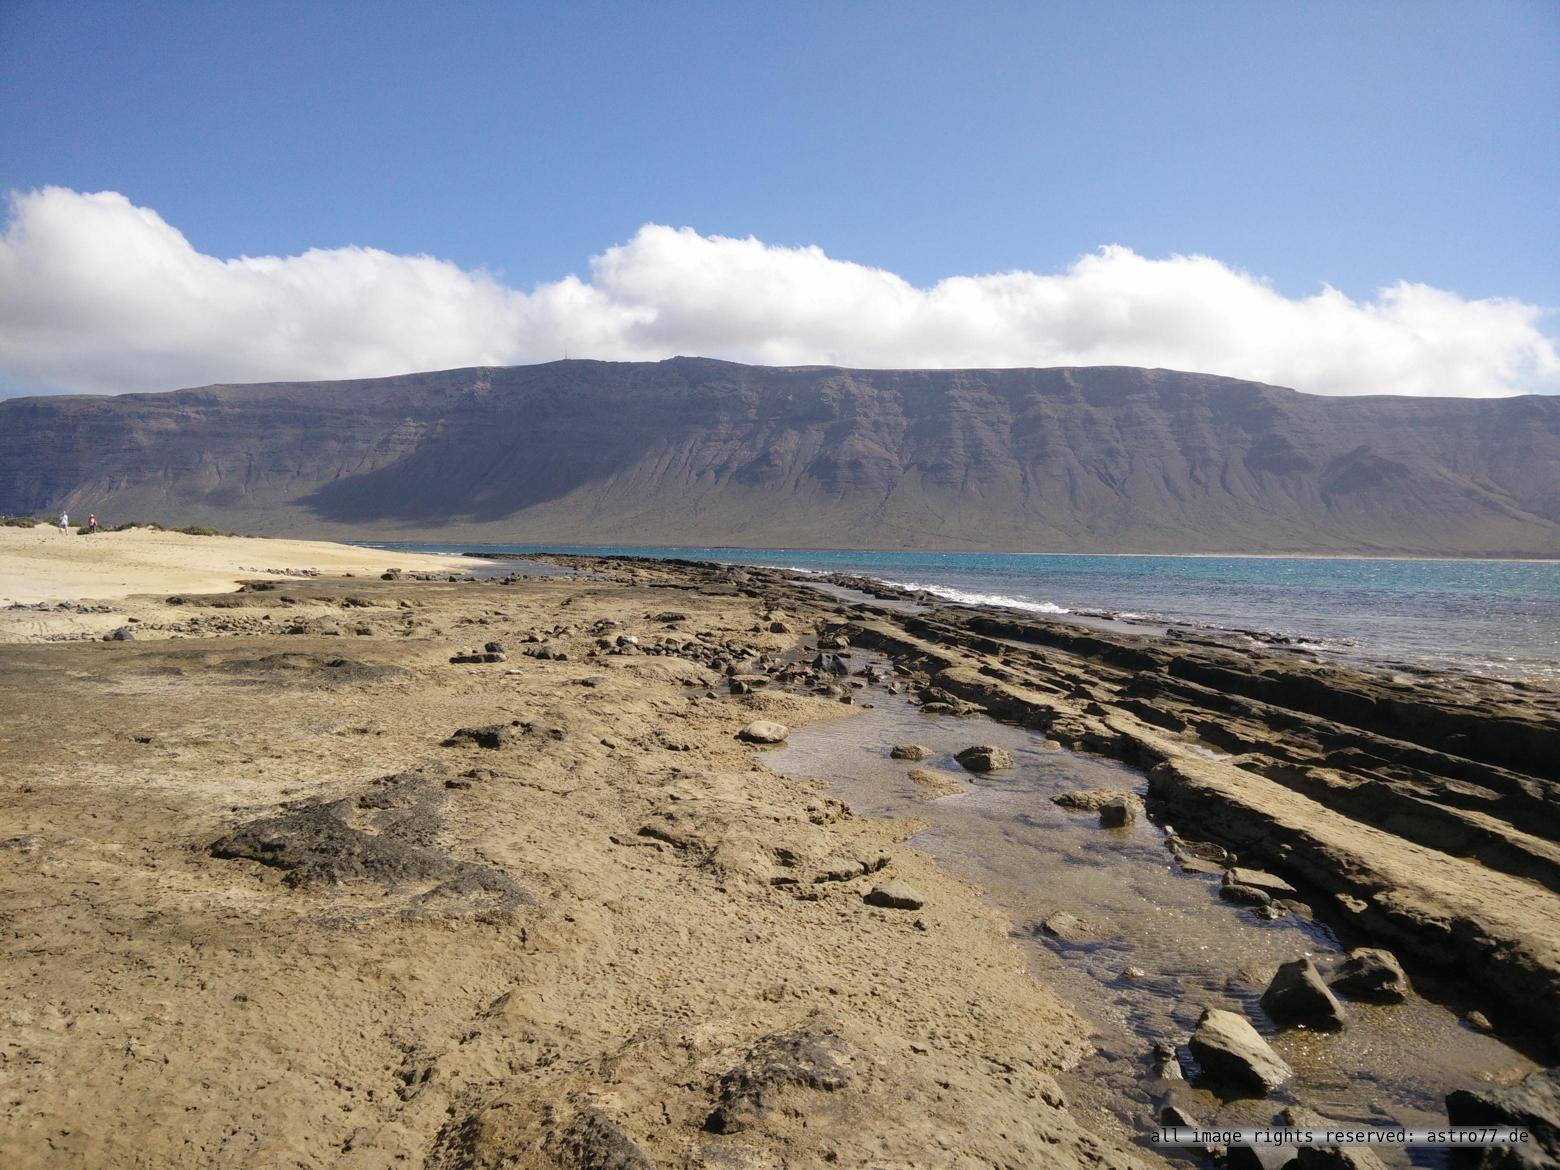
(1391, 1065)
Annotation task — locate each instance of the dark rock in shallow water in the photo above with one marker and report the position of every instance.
(1372, 974)
(1233, 1054)
(1298, 996)
(1533, 1104)
(1118, 813)
(985, 758)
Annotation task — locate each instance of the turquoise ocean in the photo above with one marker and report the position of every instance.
(1495, 618)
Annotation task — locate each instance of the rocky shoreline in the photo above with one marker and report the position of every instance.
(478, 873)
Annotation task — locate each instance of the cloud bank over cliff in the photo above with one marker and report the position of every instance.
(100, 295)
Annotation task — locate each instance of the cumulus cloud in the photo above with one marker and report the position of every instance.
(99, 295)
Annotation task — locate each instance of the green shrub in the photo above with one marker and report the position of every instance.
(18, 522)
(200, 530)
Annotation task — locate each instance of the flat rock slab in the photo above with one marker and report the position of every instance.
(1233, 1054)
(931, 784)
(1258, 879)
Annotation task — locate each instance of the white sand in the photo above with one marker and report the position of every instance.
(40, 564)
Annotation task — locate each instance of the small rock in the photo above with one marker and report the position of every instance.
(1069, 928)
(1230, 1051)
(911, 751)
(1479, 1022)
(1116, 814)
(1373, 974)
(122, 634)
(985, 758)
(1133, 974)
(896, 895)
(1298, 996)
(1092, 799)
(764, 731)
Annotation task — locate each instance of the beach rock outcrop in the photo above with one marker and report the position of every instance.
(1232, 1053)
(1370, 973)
(911, 751)
(1298, 996)
(808, 1057)
(985, 758)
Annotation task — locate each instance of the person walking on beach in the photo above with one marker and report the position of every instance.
(64, 522)
(91, 524)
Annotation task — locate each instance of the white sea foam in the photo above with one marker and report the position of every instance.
(966, 597)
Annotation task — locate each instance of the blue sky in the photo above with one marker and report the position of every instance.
(1350, 145)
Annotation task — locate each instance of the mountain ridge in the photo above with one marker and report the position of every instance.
(698, 451)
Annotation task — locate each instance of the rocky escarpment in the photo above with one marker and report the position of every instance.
(690, 451)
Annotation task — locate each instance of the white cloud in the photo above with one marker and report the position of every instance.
(97, 294)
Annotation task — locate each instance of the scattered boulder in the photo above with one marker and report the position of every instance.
(122, 634)
(1370, 973)
(985, 758)
(911, 751)
(1479, 1022)
(895, 894)
(764, 731)
(1298, 996)
(1232, 1053)
(1533, 1103)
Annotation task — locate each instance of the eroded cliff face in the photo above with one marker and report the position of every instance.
(693, 451)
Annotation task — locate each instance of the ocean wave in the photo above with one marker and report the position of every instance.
(966, 597)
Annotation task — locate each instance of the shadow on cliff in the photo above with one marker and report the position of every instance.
(479, 476)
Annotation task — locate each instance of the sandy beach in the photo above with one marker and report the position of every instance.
(41, 564)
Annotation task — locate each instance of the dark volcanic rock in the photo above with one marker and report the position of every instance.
(322, 843)
(807, 1057)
